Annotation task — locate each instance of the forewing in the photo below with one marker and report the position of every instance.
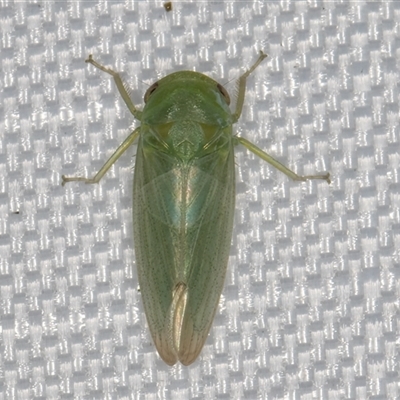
(154, 254)
(183, 227)
(211, 243)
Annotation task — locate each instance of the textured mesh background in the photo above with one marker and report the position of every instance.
(310, 307)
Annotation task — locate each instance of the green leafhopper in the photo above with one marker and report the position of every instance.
(183, 202)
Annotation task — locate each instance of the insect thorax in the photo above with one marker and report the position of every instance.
(186, 138)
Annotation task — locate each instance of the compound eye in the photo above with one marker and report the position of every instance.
(150, 91)
(224, 93)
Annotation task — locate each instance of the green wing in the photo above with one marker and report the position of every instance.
(183, 218)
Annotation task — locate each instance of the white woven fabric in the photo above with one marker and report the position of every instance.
(311, 300)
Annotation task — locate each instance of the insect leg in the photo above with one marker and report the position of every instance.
(242, 87)
(120, 86)
(266, 157)
(117, 154)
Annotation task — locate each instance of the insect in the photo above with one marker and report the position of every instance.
(168, 6)
(183, 202)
